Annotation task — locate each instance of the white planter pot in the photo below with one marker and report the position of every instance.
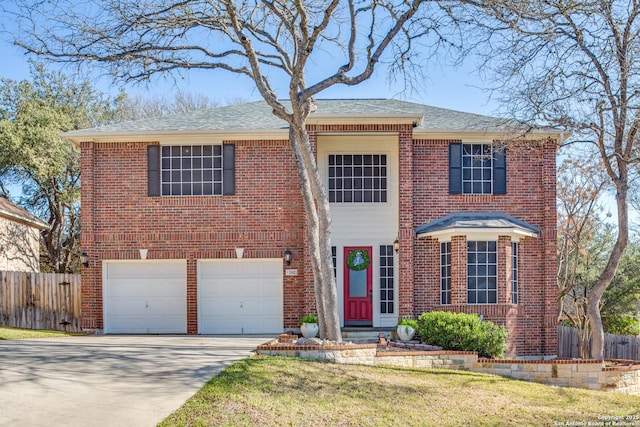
(405, 332)
(309, 330)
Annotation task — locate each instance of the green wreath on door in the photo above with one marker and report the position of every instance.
(358, 260)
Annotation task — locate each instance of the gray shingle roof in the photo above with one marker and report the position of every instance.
(258, 116)
(476, 220)
(10, 210)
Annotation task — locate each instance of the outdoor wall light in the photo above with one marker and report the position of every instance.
(84, 259)
(287, 256)
(396, 245)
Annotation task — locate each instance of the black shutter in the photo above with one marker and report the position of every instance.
(153, 170)
(500, 171)
(228, 169)
(455, 168)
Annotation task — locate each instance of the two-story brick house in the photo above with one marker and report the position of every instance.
(186, 220)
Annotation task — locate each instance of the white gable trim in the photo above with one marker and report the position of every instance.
(172, 137)
(445, 234)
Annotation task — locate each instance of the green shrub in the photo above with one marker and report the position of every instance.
(621, 325)
(460, 331)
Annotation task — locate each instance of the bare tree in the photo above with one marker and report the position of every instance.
(141, 107)
(572, 64)
(581, 184)
(268, 41)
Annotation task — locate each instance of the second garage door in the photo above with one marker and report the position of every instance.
(240, 296)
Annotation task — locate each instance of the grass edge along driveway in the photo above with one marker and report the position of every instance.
(279, 391)
(9, 333)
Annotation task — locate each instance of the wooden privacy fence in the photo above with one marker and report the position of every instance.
(615, 346)
(40, 300)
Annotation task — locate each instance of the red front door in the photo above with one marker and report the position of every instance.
(357, 286)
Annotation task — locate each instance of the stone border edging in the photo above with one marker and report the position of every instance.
(589, 374)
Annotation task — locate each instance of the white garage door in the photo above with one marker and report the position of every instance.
(240, 296)
(145, 297)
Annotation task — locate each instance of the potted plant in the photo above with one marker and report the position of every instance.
(309, 326)
(406, 328)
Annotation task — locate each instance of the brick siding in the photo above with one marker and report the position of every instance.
(530, 197)
(266, 216)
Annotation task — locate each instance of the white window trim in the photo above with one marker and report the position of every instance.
(448, 291)
(486, 276)
(387, 189)
(202, 182)
(463, 168)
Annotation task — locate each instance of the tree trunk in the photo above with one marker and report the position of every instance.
(316, 204)
(595, 296)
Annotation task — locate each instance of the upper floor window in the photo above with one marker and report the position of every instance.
(482, 272)
(357, 178)
(476, 169)
(190, 170)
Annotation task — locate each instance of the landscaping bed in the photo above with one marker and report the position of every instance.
(618, 375)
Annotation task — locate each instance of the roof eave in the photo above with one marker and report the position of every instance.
(556, 134)
(37, 223)
(145, 136)
(364, 119)
(518, 232)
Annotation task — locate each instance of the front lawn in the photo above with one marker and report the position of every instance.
(8, 333)
(272, 391)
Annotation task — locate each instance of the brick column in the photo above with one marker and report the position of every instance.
(505, 270)
(458, 270)
(406, 234)
(91, 306)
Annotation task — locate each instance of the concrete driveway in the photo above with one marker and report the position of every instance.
(108, 380)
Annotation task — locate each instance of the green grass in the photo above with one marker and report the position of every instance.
(8, 333)
(271, 391)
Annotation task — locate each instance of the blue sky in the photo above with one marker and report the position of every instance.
(447, 87)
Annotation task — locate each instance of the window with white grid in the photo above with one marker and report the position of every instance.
(191, 170)
(482, 272)
(357, 178)
(477, 169)
(334, 260)
(386, 279)
(445, 273)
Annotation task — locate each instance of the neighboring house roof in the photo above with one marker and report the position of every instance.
(258, 116)
(14, 212)
(478, 222)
